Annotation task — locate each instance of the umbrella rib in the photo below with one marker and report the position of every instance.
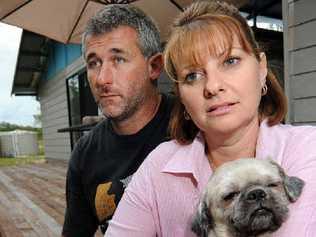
(77, 21)
(16, 9)
(82, 10)
(106, 2)
(177, 5)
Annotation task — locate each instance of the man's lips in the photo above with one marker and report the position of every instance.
(109, 98)
(108, 95)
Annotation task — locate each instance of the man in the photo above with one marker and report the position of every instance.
(121, 47)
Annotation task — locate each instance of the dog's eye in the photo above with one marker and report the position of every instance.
(230, 196)
(273, 185)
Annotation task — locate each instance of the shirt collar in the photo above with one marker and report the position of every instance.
(189, 159)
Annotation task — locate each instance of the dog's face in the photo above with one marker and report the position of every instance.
(246, 197)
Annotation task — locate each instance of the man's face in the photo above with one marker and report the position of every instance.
(118, 73)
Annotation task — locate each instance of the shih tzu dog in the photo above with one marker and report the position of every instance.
(246, 198)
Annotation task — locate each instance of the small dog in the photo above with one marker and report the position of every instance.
(246, 197)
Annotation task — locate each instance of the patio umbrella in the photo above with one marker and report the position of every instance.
(64, 20)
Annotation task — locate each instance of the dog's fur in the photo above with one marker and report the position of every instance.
(246, 198)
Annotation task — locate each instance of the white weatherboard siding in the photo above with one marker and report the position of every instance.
(300, 59)
(54, 107)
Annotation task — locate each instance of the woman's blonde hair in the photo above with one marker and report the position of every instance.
(214, 23)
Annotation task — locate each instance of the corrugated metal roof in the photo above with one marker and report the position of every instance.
(31, 63)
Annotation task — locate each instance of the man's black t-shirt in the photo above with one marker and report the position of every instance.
(101, 166)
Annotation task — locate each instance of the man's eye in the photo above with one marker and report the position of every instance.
(119, 60)
(93, 64)
(231, 61)
(193, 76)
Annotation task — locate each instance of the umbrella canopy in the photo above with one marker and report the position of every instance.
(64, 20)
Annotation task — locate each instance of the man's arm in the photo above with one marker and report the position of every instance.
(79, 218)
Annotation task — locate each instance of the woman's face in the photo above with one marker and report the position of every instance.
(222, 93)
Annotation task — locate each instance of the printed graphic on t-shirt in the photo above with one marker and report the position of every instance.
(126, 180)
(104, 202)
(107, 197)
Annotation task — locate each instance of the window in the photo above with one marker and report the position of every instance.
(80, 103)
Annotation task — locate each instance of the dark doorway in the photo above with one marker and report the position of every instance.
(80, 103)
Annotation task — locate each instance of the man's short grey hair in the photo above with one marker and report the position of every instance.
(113, 16)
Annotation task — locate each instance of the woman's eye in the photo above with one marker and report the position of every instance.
(193, 76)
(231, 61)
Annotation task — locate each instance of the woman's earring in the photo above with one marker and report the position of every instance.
(186, 115)
(264, 90)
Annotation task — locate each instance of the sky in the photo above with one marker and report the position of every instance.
(13, 109)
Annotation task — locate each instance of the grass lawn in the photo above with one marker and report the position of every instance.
(5, 161)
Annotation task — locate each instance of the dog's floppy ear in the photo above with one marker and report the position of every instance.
(202, 222)
(293, 185)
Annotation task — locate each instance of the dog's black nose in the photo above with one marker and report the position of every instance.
(256, 195)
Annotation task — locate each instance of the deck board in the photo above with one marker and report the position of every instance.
(32, 199)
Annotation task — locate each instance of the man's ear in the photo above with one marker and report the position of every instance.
(263, 68)
(155, 66)
(202, 222)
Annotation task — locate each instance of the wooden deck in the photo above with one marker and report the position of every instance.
(32, 199)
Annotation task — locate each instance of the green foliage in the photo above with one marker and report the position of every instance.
(40, 147)
(37, 120)
(7, 127)
(21, 160)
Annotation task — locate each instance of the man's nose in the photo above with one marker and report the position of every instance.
(105, 75)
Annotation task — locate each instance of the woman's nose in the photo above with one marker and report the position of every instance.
(213, 84)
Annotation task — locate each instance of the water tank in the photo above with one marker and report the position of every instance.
(18, 143)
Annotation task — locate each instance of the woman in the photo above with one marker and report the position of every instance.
(230, 106)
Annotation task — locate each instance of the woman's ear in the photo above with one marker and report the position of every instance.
(155, 66)
(263, 68)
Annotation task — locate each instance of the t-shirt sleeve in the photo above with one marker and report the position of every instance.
(300, 161)
(134, 216)
(79, 218)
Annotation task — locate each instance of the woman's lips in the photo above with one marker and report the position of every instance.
(220, 109)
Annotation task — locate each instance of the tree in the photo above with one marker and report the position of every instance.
(38, 118)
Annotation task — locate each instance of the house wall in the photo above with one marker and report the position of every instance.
(60, 56)
(300, 59)
(64, 62)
